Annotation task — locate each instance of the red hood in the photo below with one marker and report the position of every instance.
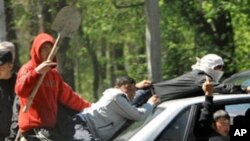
(36, 46)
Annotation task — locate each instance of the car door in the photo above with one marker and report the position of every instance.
(181, 127)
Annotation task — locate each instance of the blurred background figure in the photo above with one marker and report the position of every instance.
(7, 83)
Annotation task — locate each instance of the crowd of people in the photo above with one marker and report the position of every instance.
(54, 96)
(79, 120)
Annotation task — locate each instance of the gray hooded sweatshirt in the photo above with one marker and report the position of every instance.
(109, 114)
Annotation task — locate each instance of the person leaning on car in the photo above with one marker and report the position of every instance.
(214, 125)
(190, 84)
(107, 116)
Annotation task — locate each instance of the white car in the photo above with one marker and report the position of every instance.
(175, 120)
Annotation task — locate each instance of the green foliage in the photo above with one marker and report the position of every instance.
(178, 44)
(189, 29)
(106, 27)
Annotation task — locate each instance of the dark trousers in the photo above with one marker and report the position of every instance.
(59, 133)
(43, 134)
(38, 134)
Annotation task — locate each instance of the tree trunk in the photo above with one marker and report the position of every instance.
(116, 62)
(219, 30)
(153, 40)
(11, 32)
(65, 64)
(103, 66)
(95, 67)
(223, 38)
(2, 22)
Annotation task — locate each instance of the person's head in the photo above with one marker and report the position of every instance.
(221, 122)
(7, 54)
(127, 85)
(247, 113)
(239, 121)
(211, 64)
(41, 47)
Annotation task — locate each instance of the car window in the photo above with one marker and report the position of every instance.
(234, 108)
(130, 129)
(241, 78)
(176, 129)
(237, 110)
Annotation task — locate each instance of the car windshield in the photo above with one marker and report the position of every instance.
(241, 78)
(133, 127)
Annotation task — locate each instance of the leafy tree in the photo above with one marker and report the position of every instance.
(111, 39)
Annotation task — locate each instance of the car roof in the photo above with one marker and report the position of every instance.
(199, 99)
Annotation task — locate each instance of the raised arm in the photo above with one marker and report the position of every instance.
(206, 115)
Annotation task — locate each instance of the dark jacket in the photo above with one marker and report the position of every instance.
(14, 121)
(190, 85)
(204, 130)
(6, 101)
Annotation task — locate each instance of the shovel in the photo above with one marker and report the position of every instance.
(66, 23)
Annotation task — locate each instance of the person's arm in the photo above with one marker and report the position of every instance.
(143, 93)
(247, 89)
(125, 109)
(206, 116)
(71, 99)
(141, 97)
(26, 81)
(28, 77)
(143, 84)
(229, 88)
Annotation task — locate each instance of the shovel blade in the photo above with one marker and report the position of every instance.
(67, 21)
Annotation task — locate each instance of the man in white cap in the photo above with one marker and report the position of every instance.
(7, 82)
(190, 84)
(212, 65)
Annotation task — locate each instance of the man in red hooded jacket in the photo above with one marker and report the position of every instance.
(42, 113)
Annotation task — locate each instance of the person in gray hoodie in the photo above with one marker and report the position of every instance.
(105, 117)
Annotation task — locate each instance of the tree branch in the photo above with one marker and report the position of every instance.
(119, 6)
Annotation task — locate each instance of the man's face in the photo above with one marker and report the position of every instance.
(45, 50)
(129, 89)
(222, 126)
(6, 70)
